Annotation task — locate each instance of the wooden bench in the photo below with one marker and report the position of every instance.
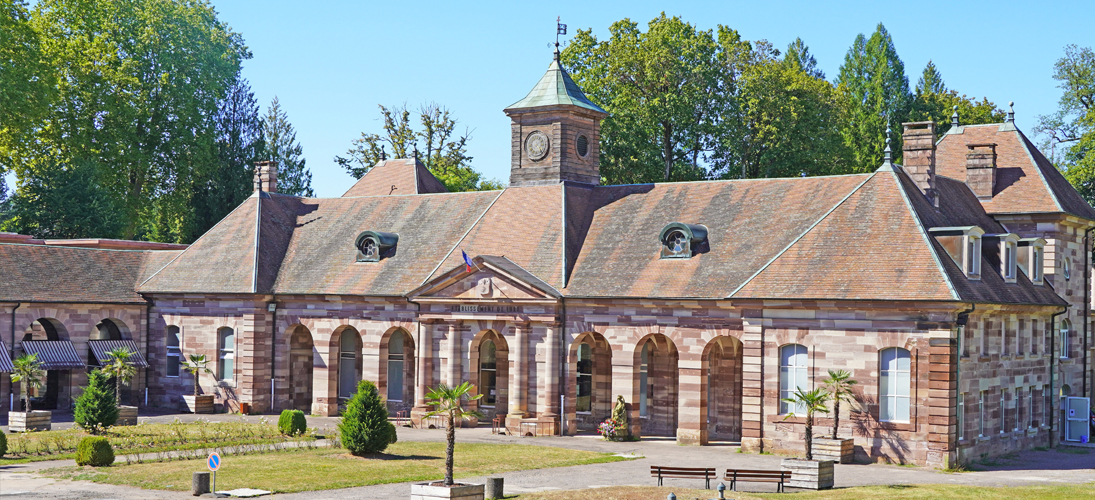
(684, 473)
(757, 476)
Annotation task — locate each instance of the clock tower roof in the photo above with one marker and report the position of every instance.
(555, 88)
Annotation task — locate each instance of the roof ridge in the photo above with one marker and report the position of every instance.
(799, 237)
(530, 273)
(924, 233)
(465, 235)
(206, 233)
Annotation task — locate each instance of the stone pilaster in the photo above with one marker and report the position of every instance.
(752, 409)
(454, 354)
(692, 399)
(424, 375)
(550, 383)
(942, 402)
(518, 377)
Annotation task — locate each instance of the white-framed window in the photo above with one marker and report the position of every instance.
(793, 361)
(981, 414)
(644, 380)
(972, 256)
(1003, 410)
(174, 351)
(226, 344)
(585, 378)
(1047, 406)
(895, 383)
(395, 366)
(961, 416)
(1038, 256)
(1019, 414)
(1066, 327)
(1009, 260)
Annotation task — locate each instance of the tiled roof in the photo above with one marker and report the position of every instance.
(54, 274)
(1026, 181)
(398, 176)
(555, 88)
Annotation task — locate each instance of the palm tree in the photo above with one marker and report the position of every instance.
(449, 402)
(196, 365)
(28, 370)
(120, 369)
(839, 386)
(813, 401)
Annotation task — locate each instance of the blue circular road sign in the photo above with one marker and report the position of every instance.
(214, 461)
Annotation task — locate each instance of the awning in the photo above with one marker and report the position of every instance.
(5, 359)
(101, 347)
(54, 354)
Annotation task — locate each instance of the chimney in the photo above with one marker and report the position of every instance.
(266, 176)
(981, 169)
(919, 157)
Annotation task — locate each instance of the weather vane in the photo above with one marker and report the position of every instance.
(560, 29)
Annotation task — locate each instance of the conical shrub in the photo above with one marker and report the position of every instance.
(364, 428)
(96, 408)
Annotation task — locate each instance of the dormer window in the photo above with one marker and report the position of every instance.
(963, 245)
(681, 241)
(1009, 261)
(1032, 253)
(973, 256)
(373, 245)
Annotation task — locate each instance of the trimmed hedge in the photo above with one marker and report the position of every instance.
(292, 423)
(94, 451)
(3, 444)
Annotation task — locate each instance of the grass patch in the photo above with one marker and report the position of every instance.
(322, 469)
(898, 492)
(144, 439)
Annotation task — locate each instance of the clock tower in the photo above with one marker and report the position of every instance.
(555, 133)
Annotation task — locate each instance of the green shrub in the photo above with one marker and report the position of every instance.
(3, 444)
(292, 423)
(94, 451)
(364, 428)
(96, 409)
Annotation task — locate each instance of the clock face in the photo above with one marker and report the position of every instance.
(536, 145)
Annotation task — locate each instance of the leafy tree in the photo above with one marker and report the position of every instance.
(813, 402)
(934, 102)
(445, 150)
(450, 403)
(1073, 125)
(281, 147)
(96, 409)
(197, 364)
(364, 428)
(27, 370)
(664, 89)
(874, 83)
(132, 102)
(798, 55)
(121, 369)
(63, 201)
(226, 182)
(839, 386)
(26, 82)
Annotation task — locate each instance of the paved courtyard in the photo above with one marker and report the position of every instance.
(1029, 468)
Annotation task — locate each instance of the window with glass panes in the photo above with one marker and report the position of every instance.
(395, 366)
(585, 378)
(895, 382)
(793, 362)
(174, 351)
(227, 351)
(488, 372)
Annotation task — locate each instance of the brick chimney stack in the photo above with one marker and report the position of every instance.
(919, 157)
(981, 169)
(266, 176)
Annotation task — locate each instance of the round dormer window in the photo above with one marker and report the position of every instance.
(582, 145)
(369, 249)
(677, 242)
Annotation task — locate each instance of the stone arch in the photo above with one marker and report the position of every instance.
(592, 374)
(487, 405)
(111, 329)
(722, 388)
(656, 383)
(405, 360)
(302, 354)
(57, 388)
(46, 329)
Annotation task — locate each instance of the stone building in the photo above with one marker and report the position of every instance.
(954, 288)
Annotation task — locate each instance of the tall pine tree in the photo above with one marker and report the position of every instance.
(874, 82)
(930, 81)
(798, 55)
(281, 146)
(933, 101)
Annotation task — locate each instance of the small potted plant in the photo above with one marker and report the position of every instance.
(122, 370)
(839, 386)
(28, 371)
(449, 403)
(809, 473)
(197, 364)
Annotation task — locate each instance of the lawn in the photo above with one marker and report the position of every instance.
(895, 492)
(145, 439)
(322, 469)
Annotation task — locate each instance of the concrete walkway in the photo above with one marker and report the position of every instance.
(1029, 468)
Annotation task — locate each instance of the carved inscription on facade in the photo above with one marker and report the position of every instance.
(484, 308)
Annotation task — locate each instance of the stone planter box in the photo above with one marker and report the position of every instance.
(127, 415)
(809, 474)
(37, 420)
(199, 404)
(425, 491)
(841, 451)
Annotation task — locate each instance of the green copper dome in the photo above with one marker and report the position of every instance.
(556, 88)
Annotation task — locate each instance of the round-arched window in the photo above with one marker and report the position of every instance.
(582, 145)
(369, 249)
(1066, 269)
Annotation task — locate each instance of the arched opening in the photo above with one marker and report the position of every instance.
(490, 365)
(57, 387)
(397, 370)
(301, 362)
(110, 329)
(591, 364)
(657, 387)
(349, 363)
(724, 386)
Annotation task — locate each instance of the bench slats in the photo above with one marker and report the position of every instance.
(707, 473)
(757, 476)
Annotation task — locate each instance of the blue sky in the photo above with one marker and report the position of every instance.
(331, 63)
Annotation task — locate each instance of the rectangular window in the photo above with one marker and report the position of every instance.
(961, 416)
(1003, 410)
(1030, 408)
(1018, 408)
(792, 376)
(981, 414)
(1006, 334)
(1036, 275)
(895, 382)
(1047, 406)
(174, 351)
(227, 354)
(1020, 337)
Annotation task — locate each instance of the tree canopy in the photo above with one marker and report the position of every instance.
(281, 147)
(1072, 127)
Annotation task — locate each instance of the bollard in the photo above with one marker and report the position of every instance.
(722, 491)
(671, 497)
(494, 488)
(199, 485)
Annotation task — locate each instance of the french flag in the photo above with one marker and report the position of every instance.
(467, 262)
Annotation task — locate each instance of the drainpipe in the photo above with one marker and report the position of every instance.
(1087, 300)
(961, 319)
(563, 369)
(147, 343)
(1052, 357)
(11, 384)
(272, 307)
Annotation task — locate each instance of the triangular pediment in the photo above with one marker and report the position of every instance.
(491, 278)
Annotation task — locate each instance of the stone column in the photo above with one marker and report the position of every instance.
(551, 389)
(625, 382)
(752, 385)
(942, 401)
(518, 378)
(454, 352)
(424, 375)
(692, 399)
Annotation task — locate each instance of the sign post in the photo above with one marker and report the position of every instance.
(214, 463)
